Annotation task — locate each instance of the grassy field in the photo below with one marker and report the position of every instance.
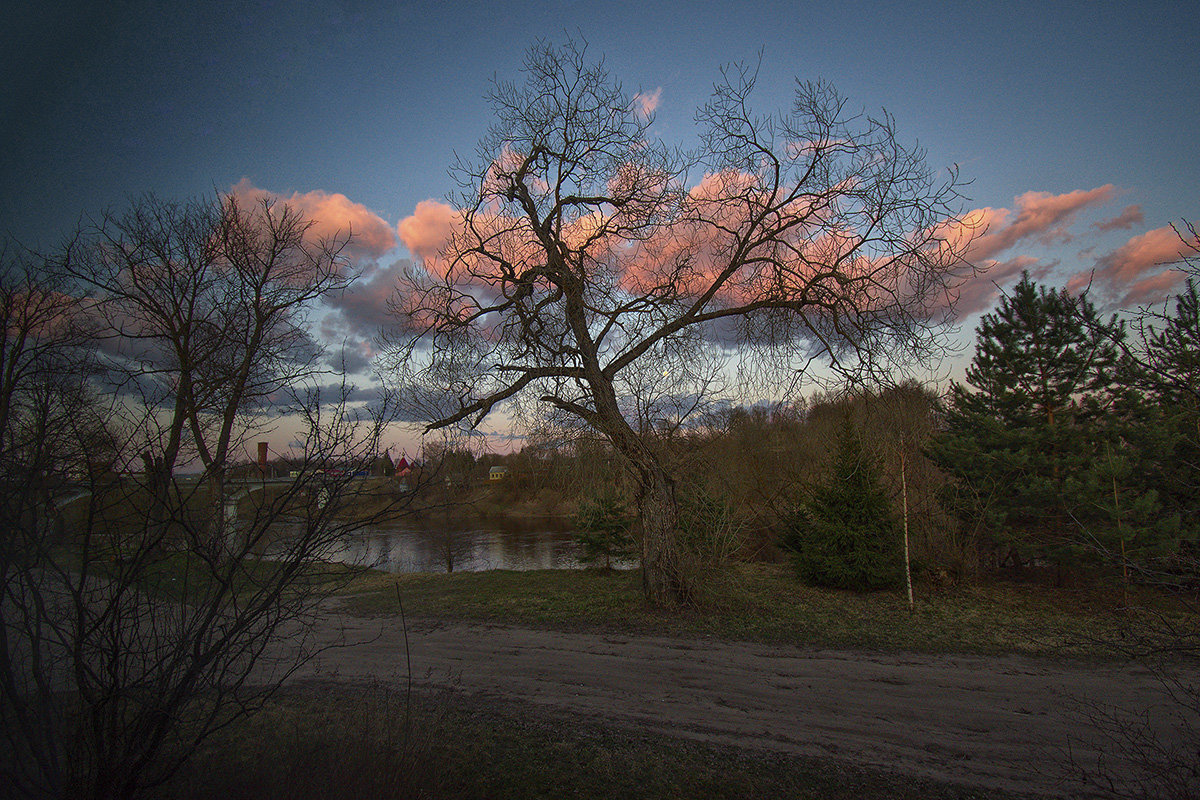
(764, 602)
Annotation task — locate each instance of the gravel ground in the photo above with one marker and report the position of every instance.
(1006, 723)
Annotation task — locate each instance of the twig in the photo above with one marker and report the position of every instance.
(408, 664)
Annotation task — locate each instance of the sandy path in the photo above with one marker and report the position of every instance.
(982, 721)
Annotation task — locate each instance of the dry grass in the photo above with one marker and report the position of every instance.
(763, 602)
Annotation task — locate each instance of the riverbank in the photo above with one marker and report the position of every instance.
(766, 603)
(383, 500)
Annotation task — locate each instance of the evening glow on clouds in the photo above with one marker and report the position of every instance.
(1074, 123)
(1132, 274)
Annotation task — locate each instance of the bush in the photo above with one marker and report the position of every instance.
(710, 528)
(845, 535)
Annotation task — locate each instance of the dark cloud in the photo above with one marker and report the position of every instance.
(352, 393)
(361, 312)
(353, 357)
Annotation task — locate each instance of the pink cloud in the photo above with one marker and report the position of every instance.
(428, 228)
(1152, 289)
(1129, 216)
(1133, 274)
(429, 231)
(647, 102)
(685, 258)
(332, 215)
(979, 292)
(984, 235)
(1038, 216)
(1144, 251)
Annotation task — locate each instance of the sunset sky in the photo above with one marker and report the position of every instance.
(1077, 123)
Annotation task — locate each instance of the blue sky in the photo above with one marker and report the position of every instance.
(1077, 123)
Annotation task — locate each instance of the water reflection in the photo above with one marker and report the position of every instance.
(465, 546)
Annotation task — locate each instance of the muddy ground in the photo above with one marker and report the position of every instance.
(1007, 723)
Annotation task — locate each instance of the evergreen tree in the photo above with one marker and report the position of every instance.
(1046, 443)
(846, 536)
(1175, 350)
(1172, 377)
(603, 533)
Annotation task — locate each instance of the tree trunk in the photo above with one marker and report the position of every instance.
(664, 581)
(907, 562)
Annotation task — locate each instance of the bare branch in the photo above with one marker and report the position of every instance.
(584, 246)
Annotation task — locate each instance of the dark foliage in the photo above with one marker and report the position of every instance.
(845, 535)
(1048, 451)
(603, 521)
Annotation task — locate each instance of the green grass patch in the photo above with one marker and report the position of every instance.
(766, 603)
(187, 577)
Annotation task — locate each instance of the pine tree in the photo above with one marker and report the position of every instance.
(846, 535)
(1046, 443)
(1172, 378)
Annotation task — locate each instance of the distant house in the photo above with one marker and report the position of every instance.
(497, 473)
(382, 466)
(403, 469)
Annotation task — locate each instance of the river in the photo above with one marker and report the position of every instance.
(464, 545)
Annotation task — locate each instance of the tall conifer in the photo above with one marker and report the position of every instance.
(846, 535)
(1172, 377)
(1044, 441)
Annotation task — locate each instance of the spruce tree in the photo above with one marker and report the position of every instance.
(603, 533)
(846, 535)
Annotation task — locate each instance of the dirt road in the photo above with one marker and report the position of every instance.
(982, 721)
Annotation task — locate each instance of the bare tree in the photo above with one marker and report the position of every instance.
(585, 248)
(44, 338)
(128, 632)
(203, 306)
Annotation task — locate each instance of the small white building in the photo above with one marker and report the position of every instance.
(497, 473)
